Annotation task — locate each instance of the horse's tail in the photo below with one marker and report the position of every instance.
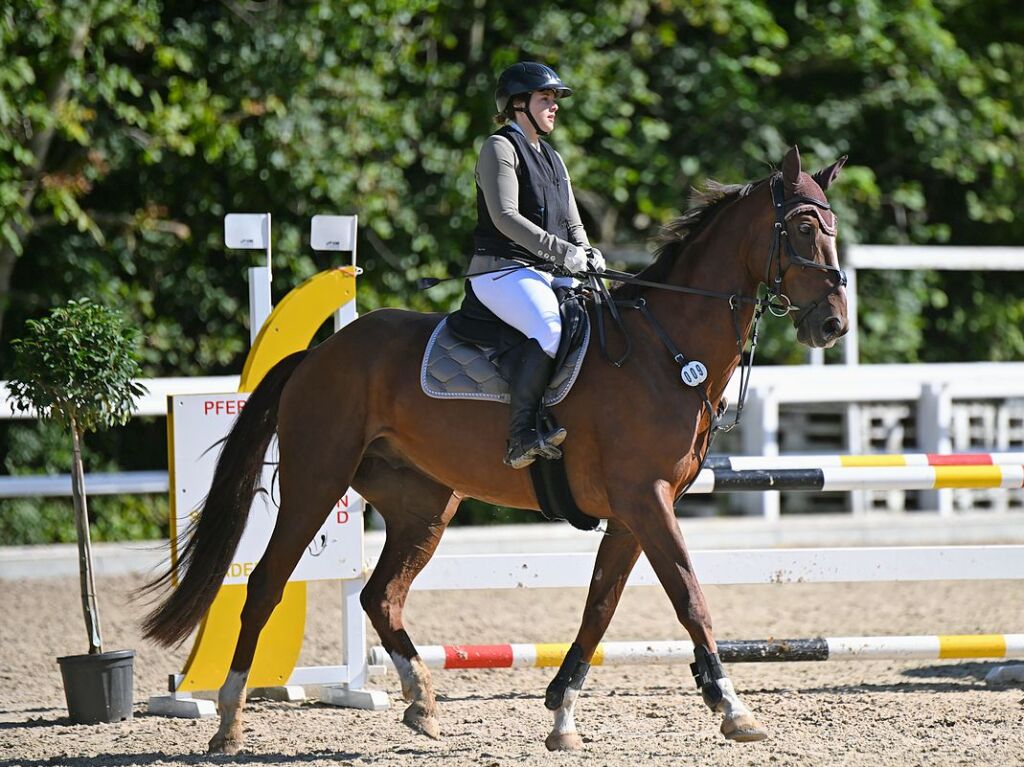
(213, 538)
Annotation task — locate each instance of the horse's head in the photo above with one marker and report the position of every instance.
(803, 265)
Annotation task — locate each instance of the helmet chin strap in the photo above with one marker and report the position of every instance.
(533, 120)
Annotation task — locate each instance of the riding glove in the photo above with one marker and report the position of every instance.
(596, 259)
(575, 260)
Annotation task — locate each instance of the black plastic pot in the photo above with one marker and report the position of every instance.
(98, 687)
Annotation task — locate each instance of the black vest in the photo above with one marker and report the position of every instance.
(543, 199)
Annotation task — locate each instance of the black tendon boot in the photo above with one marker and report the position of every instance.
(529, 380)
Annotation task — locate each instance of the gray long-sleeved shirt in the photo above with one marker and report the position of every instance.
(496, 170)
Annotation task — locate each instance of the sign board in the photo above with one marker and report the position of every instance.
(200, 422)
(247, 231)
(333, 232)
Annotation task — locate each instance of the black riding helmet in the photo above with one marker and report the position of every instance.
(525, 78)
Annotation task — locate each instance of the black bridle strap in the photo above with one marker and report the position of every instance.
(781, 205)
(641, 306)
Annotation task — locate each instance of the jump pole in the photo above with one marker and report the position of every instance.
(844, 478)
(665, 653)
(747, 462)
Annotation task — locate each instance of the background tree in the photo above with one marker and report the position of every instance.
(76, 367)
(166, 114)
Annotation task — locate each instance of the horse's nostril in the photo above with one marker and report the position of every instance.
(832, 327)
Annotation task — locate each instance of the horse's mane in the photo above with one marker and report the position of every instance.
(675, 237)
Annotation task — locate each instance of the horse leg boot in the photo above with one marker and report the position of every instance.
(738, 722)
(530, 378)
(616, 557)
(658, 532)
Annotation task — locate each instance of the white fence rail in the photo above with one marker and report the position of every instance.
(932, 391)
(936, 393)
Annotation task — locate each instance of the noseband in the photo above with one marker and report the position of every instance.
(785, 209)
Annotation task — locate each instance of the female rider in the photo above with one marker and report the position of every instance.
(527, 217)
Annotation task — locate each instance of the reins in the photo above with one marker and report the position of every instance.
(693, 372)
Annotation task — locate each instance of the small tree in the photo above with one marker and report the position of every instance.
(76, 366)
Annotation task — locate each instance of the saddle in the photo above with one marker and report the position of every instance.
(468, 357)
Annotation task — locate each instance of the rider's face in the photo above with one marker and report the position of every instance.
(543, 107)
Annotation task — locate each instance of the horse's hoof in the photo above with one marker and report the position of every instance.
(563, 741)
(422, 722)
(225, 744)
(743, 729)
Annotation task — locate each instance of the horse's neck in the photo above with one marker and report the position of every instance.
(704, 328)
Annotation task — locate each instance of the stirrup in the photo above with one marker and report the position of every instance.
(525, 456)
(549, 444)
(531, 445)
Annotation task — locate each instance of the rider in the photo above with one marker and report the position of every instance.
(526, 214)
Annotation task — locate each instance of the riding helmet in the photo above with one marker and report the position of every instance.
(526, 77)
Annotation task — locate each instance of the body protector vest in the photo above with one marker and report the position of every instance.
(543, 199)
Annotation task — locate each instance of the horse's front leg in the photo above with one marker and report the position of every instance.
(616, 556)
(654, 525)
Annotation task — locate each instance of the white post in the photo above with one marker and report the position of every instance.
(355, 656)
(934, 416)
(269, 254)
(338, 234)
(851, 343)
(761, 437)
(260, 305)
(345, 314)
(854, 444)
(251, 231)
(851, 356)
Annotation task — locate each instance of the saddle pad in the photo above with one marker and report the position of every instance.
(456, 369)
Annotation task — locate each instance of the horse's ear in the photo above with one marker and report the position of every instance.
(826, 176)
(791, 170)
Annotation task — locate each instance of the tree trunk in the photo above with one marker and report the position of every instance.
(90, 608)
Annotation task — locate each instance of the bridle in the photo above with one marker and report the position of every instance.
(785, 209)
(776, 302)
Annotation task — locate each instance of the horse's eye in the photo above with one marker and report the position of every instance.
(805, 228)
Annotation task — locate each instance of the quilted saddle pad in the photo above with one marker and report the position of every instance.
(456, 369)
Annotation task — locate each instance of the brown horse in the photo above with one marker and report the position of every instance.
(637, 437)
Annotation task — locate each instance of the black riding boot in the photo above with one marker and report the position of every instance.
(529, 380)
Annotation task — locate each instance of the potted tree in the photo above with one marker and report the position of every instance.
(77, 366)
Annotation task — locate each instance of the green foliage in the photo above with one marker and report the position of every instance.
(77, 366)
(128, 128)
(178, 112)
(26, 521)
(42, 446)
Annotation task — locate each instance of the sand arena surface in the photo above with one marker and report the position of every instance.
(868, 713)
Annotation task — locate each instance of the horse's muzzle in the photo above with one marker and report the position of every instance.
(822, 333)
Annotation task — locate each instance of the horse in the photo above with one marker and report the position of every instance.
(637, 438)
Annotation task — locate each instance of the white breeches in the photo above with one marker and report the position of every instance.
(526, 300)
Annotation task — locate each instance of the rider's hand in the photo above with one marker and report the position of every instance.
(596, 260)
(575, 260)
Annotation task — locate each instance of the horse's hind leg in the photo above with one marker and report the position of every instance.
(616, 556)
(416, 510)
(311, 480)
